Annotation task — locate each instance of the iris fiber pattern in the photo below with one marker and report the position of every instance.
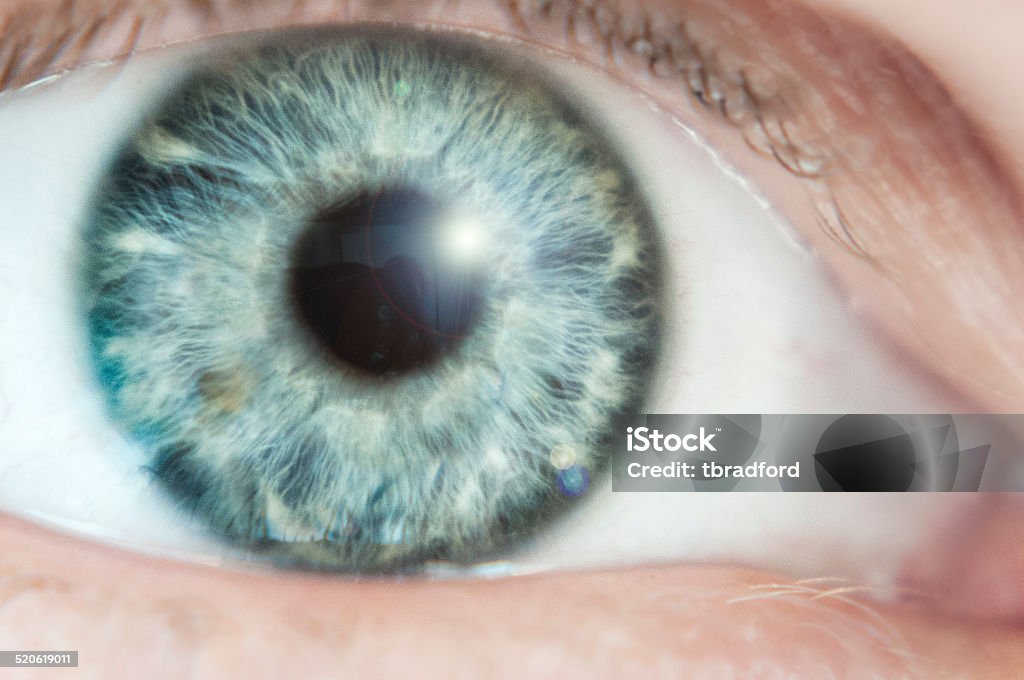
(246, 420)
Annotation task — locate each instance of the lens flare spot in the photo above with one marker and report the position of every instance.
(462, 239)
(573, 481)
(563, 456)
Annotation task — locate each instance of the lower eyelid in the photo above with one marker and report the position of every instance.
(972, 563)
(698, 619)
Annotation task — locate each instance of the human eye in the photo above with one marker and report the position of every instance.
(705, 82)
(242, 244)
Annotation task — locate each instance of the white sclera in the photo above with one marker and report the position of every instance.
(61, 460)
(754, 327)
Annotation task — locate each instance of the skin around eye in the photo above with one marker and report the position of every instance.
(724, 253)
(132, 613)
(893, 203)
(806, 69)
(508, 627)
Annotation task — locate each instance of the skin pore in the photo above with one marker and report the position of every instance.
(917, 147)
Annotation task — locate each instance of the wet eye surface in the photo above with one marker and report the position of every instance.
(740, 292)
(349, 290)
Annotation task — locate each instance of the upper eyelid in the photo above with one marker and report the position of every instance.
(764, 102)
(764, 96)
(42, 39)
(78, 33)
(844, 107)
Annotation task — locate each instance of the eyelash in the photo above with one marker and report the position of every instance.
(752, 100)
(765, 105)
(715, 104)
(748, 100)
(760, 104)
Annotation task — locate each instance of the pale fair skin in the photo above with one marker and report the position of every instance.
(924, 150)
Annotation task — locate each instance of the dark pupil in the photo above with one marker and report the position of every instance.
(370, 279)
